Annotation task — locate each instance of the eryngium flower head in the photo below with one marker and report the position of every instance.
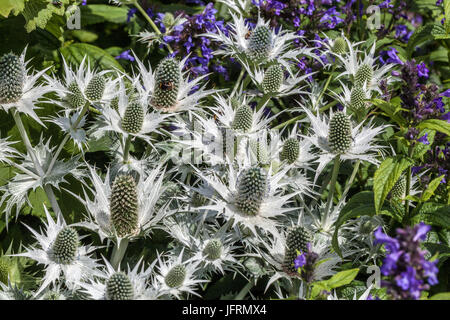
(357, 99)
(95, 88)
(364, 75)
(12, 77)
(273, 79)
(252, 187)
(243, 119)
(4, 271)
(65, 246)
(119, 287)
(259, 150)
(399, 188)
(260, 43)
(213, 249)
(297, 239)
(339, 46)
(75, 97)
(340, 133)
(175, 277)
(167, 82)
(133, 118)
(290, 151)
(124, 205)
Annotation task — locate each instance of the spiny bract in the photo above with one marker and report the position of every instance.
(260, 43)
(252, 187)
(340, 133)
(12, 77)
(65, 246)
(133, 118)
(213, 249)
(175, 277)
(290, 151)
(167, 83)
(124, 205)
(273, 79)
(297, 239)
(119, 287)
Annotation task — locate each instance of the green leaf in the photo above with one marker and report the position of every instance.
(338, 280)
(421, 148)
(98, 13)
(441, 296)
(432, 186)
(390, 110)
(38, 13)
(436, 214)
(359, 205)
(6, 6)
(386, 176)
(85, 36)
(436, 124)
(421, 34)
(75, 53)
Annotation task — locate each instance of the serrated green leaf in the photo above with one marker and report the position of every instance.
(441, 296)
(390, 110)
(6, 6)
(436, 124)
(38, 13)
(422, 148)
(436, 214)
(98, 13)
(386, 176)
(338, 280)
(75, 53)
(432, 186)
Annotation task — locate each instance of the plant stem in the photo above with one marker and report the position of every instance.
(262, 102)
(302, 116)
(334, 176)
(118, 253)
(47, 188)
(152, 24)
(126, 151)
(236, 86)
(241, 295)
(408, 184)
(326, 84)
(66, 138)
(352, 177)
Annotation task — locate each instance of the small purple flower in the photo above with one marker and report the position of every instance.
(424, 139)
(125, 55)
(300, 261)
(423, 70)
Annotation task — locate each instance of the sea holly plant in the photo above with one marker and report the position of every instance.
(234, 149)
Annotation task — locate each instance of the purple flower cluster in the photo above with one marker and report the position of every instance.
(408, 272)
(306, 262)
(185, 40)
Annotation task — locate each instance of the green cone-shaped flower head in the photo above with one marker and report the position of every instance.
(5, 269)
(260, 43)
(167, 83)
(213, 249)
(75, 97)
(363, 75)
(252, 187)
(115, 103)
(340, 133)
(297, 239)
(273, 79)
(259, 149)
(175, 277)
(290, 151)
(124, 205)
(12, 77)
(133, 119)
(95, 88)
(339, 46)
(168, 19)
(243, 118)
(357, 99)
(65, 246)
(119, 287)
(399, 188)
